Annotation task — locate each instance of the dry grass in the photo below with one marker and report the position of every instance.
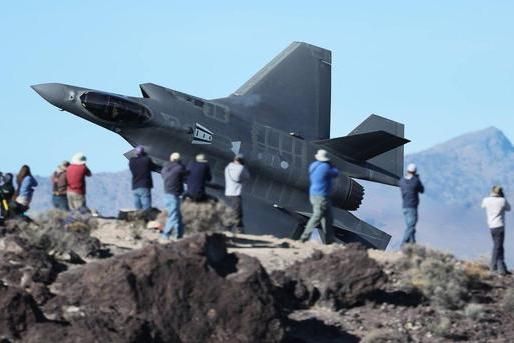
(508, 301)
(436, 275)
(384, 336)
(207, 216)
(475, 270)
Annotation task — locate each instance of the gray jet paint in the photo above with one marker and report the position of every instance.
(278, 120)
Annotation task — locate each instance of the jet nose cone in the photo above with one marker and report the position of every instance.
(54, 93)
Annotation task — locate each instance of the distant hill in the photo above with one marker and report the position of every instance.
(457, 174)
(462, 170)
(106, 192)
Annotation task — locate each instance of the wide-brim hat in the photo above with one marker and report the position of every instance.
(79, 158)
(322, 155)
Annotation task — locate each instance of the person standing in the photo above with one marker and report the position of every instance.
(198, 174)
(410, 187)
(321, 173)
(495, 207)
(76, 182)
(141, 168)
(26, 183)
(59, 186)
(173, 174)
(235, 175)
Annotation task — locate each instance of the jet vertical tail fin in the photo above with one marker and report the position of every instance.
(292, 92)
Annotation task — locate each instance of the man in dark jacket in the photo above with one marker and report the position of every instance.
(141, 168)
(173, 175)
(198, 174)
(410, 186)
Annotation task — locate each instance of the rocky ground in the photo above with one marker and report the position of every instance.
(82, 279)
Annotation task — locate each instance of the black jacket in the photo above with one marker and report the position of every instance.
(141, 169)
(198, 175)
(173, 175)
(410, 189)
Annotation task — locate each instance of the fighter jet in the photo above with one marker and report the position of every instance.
(278, 119)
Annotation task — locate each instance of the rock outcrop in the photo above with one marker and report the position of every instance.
(342, 278)
(189, 291)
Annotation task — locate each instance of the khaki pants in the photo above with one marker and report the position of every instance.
(76, 201)
(321, 216)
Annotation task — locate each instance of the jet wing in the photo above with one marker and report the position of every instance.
(157, 163)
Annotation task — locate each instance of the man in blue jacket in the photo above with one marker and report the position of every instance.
(410, 186)
(321, 173)
(173, 175)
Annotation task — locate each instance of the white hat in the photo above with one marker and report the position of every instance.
(201, 158)
(175, 157)
(322, 155)
(411, 168)
(78, 158)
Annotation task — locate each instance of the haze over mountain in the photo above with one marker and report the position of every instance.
(457, 174)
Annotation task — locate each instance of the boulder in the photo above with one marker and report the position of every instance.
(189, 291)
(342, 278)
(19, 312)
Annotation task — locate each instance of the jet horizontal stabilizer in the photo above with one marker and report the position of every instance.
(364, 146)
(350, 229)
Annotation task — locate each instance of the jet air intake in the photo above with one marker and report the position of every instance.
(114, 109)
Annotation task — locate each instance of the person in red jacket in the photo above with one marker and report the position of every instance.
(76, 178)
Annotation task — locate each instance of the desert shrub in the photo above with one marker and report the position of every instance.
(477, 270)
(442, 327)
(384, 336)
(508, 301)
(72, 221)
(207, 216)
(58, 231)
(474, 311)
(436, 275)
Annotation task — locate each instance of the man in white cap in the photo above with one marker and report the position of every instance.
(410, 186)
(321, 173)
(173, 174)
(495, 207)
(76, 174)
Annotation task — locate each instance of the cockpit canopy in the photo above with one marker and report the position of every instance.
(114, 109)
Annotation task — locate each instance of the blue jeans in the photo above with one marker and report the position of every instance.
(60, 202)
(142, 198)
(174, 226)
(411, 218)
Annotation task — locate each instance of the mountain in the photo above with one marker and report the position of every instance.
(463, 170)
(457, 174)
(106, 192)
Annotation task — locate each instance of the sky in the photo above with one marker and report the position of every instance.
(443, 68)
